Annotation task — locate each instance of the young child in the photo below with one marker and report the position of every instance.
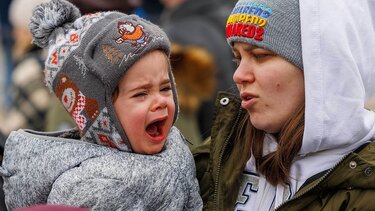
(111, 73)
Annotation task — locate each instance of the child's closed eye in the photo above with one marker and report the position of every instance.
(166, 88)
(140, 94)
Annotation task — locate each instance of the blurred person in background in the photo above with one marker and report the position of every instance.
(227, 5)
(194, 71)
(200, 23)
(29, 94)
(124, 6)
(6, 60)
(151, 10)
(24, 80)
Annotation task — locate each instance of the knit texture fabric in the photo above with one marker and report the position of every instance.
(40, 168)
(272, 25)
(87, 58)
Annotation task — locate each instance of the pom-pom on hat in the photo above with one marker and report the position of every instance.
(87, 58)
(269, 24)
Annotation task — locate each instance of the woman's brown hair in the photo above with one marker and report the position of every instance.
(276, 165)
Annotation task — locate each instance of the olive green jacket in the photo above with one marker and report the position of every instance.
(350, 185)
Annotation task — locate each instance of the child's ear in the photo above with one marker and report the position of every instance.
(115, 94)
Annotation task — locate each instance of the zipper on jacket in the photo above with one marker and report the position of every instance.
(318, 183)
(216, 202)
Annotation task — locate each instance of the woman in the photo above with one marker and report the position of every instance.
(299, 136)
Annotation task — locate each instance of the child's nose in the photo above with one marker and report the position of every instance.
(160, 102)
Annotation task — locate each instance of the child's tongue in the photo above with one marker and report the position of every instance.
(152, 130)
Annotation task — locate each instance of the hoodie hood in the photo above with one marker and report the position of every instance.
(339, 63)
(337, 40)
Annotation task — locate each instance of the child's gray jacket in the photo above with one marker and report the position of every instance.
(42, 168)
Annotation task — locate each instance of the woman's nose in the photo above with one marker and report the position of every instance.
(244, 74)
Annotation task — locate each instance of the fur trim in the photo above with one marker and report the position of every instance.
(194, 71)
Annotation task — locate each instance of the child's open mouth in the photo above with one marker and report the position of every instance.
(155, 130)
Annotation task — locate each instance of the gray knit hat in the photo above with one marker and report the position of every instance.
(87, 58)
(269, 24)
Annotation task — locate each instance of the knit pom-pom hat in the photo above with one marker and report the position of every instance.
(87, 58)
(270, 24)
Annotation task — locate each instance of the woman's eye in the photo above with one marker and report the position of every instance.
(261, 56)
(236, 61)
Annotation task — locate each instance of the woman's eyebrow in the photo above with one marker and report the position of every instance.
(245, 48)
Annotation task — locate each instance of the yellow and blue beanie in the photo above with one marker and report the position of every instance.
(270, 24)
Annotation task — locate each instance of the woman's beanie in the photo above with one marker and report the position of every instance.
(87, 58)
(269, 24)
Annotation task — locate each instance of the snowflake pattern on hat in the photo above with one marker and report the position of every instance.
(65, 44)
(102, 131)
(75, 102)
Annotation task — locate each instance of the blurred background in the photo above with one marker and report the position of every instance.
(201, 61)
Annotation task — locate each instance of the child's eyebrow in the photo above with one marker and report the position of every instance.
(166, 81)
(149, 85)
(143, 86)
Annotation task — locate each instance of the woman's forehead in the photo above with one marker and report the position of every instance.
(247, 46)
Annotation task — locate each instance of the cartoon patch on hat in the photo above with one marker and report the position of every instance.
(133, 34)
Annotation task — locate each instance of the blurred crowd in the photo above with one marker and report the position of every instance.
(200, 58)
